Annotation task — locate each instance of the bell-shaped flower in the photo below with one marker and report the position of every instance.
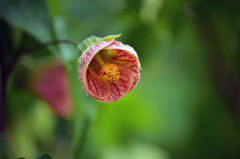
(51, 84)
(109, 69)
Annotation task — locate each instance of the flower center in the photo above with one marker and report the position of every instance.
(109, 71)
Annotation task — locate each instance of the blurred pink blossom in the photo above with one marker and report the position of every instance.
(51, 84)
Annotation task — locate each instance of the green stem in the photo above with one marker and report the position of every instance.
(80, 149)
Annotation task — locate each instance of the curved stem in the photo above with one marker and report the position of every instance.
(49, 43)
(19, 52)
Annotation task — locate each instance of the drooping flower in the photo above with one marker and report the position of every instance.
(109, 69)
(51, 84)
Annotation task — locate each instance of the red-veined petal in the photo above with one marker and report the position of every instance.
(120, 88)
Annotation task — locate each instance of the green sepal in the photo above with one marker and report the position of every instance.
(92, 40)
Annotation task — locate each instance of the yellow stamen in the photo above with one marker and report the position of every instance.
(99, 59)
(110, 73)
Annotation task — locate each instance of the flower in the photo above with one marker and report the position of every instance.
(109, 69)
(51, 84)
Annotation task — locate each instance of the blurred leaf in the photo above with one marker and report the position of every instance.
(34, 126)
(44, 156)
(31, 16)
(4, 151)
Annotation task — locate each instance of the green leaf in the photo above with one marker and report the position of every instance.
(28, 15)
(44, 156)
(32, 17)
(92, 40)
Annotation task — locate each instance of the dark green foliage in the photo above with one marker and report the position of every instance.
(44, 156)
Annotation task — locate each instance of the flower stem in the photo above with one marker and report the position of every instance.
(19, 52)
(82, 146)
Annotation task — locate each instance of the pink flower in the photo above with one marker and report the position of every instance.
(51, 84)
(109, 70)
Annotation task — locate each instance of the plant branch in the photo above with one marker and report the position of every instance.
(19, 52)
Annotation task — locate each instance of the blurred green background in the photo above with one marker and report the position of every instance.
(185, 106)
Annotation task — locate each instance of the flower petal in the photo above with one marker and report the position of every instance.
(121, 46)
(127, 54)
(120, 88)
(97, 86)
(93, 84)
(82, 78)
(87, 57)
(90, 79)
(51, 84)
